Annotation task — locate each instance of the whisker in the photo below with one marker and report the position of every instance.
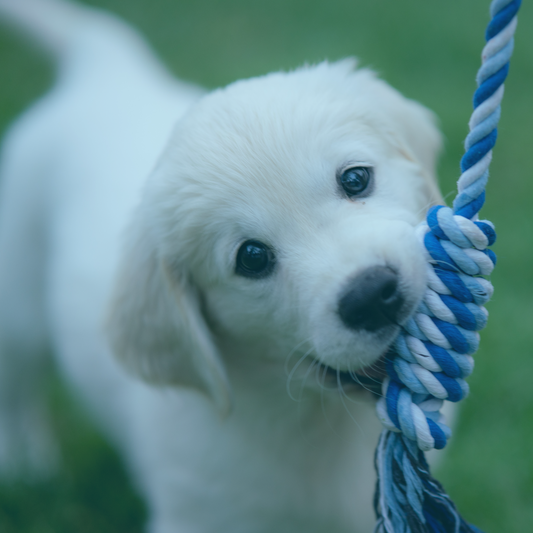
(307, 374)
(293, 371)
(322, 389)
(440, 262)
(341, 387)
(324, 374)
(429, 204)
(373, 366)
(343, 395)
(357, 379)
(287, 360)
(299, 408)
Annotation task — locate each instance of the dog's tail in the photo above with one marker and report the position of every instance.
(52, 24)
(76, 35)
(68, 30)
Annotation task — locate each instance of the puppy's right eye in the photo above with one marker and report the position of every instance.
(254, 260)
(356, 181)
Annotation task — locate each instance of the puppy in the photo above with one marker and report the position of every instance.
(249, 254)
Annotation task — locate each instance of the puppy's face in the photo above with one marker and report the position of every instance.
(279, 220)
(290, 202)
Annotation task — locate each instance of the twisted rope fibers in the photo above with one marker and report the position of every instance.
(432, 356)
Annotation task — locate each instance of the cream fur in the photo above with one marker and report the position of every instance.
(96, 259)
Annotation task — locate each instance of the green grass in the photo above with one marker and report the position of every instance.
(430, 51)
(91, 492)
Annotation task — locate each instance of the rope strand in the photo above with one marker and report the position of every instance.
(432, 353)
(432, 356)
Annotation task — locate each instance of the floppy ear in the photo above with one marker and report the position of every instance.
(413, 130)
(155, 325)
(420, 140)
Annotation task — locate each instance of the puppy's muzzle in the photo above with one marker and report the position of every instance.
(372, 300)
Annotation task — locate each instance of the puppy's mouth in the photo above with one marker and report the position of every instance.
(368, 378)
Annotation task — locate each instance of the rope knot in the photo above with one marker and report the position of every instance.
(432, 355)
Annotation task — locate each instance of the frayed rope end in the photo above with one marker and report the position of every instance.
(407, 498)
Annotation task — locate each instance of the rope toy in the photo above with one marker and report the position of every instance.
(432, 356)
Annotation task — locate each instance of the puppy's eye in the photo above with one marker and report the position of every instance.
(254, 260)
(356, 180)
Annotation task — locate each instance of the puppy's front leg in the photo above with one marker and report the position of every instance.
(27, 447)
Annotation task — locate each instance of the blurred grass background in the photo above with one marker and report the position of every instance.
(430, 51)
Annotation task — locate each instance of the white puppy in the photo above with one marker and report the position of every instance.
(272, 245)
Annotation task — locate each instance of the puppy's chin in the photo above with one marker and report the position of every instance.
(366, 379)
(351, 373)
(352, 352)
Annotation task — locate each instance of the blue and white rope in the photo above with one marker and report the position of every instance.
(433, 353)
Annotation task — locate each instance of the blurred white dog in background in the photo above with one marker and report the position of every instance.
(270, 248)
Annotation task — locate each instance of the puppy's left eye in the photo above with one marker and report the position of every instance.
(254, 260)
(356, 181)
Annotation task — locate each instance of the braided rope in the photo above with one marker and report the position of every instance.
(433, 353)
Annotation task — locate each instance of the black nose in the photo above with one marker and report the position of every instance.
(372, 300)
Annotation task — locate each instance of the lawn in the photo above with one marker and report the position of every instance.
(430, 51)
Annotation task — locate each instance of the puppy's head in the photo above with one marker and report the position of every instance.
(279, 218)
